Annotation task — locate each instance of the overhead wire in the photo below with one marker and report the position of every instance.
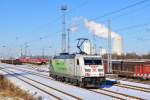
(104, 15)
(121, 9)
(118, 10)
(80, 5)
(132, 26)
(129, 13)
(115, 11)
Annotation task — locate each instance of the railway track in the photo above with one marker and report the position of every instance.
(41, 75)
(43, 87)
(147, 82)
(143, 89)
(113, 94)
(31, 72)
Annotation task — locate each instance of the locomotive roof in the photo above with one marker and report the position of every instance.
(71, 56)
(64, 56)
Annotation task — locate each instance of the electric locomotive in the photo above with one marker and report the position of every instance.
(79, 68)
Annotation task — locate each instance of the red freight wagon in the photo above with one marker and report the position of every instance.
(130, 68)
(33, 60)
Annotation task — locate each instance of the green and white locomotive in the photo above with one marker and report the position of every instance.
(80, 69)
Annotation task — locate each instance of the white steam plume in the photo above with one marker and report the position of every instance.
(73, 28)
(74, 25)
(99, 29)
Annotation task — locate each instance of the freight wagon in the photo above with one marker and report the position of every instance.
(11, 61)
(79, 69)
(130, 68)
(38, 61)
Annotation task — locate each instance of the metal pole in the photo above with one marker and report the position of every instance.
(43, 52)
(63, 9)
(68, 40)
(4, 50)
(21, 52)
(100, 52)
(109, 47)
(26, 45)
(94, 47)
(25, 51)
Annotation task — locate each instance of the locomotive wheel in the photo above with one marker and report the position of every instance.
(75, 83)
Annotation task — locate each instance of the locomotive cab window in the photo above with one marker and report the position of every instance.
(92, 61)
(77, 61)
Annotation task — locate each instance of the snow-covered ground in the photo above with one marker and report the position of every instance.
(42, 69)
(131, 83)
(83, 93)
(79, 92)
(30, 89)
(131, 92)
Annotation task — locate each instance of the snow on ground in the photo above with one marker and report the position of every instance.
(42, 69)
(131, 83)
(131, 92)
(79, 92)
(30, 89)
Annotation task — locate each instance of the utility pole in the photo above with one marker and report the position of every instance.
(63, 9)
(100, 51)
(109, 63)
(21, 52)
(26, 46)
(4, 50)
(43, 52)
(68, 40)
(94, 46)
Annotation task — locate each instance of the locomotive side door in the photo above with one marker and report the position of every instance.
(76, 70)
(78, 66)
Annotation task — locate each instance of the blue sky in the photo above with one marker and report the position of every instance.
(38, 23)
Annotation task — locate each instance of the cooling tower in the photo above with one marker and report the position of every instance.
(117, 46)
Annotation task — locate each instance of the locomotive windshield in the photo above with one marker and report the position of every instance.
(92, 61)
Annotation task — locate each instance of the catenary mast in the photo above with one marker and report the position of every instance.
(63, 9)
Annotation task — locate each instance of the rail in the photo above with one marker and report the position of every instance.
(45, 87)
(116, 93)
(133, 87)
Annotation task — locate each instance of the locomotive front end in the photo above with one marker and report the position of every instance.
(92, 70)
